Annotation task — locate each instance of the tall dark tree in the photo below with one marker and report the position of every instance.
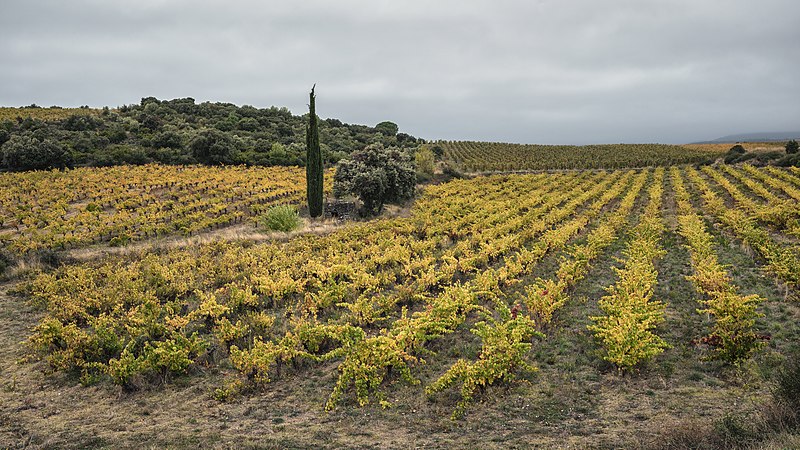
(313, 161)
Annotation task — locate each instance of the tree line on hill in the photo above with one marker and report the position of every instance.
(181, 131)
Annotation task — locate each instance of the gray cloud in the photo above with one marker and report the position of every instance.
(576, 71)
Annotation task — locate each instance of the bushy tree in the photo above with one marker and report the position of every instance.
(387, 128)
(735, 154)
(737, 149)
(25, 152)
(376, 175)
(248, 124)
(167, 139)
(792, 147)
(281, 218)
(81, 122)
(212, 146)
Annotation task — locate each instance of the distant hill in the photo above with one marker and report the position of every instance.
(178, 131)
(764, 136)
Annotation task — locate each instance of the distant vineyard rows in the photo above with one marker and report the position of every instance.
(59, 210)
(491, 156)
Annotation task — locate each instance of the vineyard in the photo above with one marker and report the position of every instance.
(495, 293)
(15, 114)
(59, 210)
(494, 157)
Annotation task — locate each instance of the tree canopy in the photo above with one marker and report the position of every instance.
(376, 175)
(26, 152)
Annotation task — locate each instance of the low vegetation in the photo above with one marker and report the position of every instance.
(610, 307)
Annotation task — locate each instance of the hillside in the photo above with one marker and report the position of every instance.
(764, 136)
(177, 132)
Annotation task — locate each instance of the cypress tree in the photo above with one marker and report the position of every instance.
(313, 162)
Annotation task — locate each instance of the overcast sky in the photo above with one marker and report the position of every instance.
(568, 71)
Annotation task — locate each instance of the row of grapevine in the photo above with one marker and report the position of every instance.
(732, 336)
(775, 179)
(783, 261)
(626, 329)
(162, 313)
(444, 313)
(505, 341)
(778, 212)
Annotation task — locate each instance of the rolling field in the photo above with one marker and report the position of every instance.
(579, 308)
(500, 157)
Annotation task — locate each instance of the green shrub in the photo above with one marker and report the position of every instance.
(735, 154)
(768, 157)
(792, 147)
(451, 171)
(737, 149)
(789, 160)
(788, 387)
(26, 152)
(5, 263)
(281, 218)
(425, 160)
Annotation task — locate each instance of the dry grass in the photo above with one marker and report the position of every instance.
(245, 232)
(232, 233)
